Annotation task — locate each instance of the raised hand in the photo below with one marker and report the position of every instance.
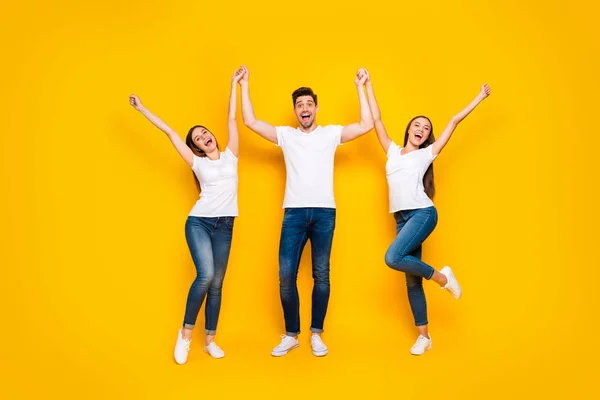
(135, 102)
(361, 77)
(485, 91)
(237, 75)
(368, 75)
(246, 74)
(444, 137)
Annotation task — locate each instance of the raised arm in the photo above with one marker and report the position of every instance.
(234, 139)
(264, 129)
(384, 139)
(184, 151)
(353, 131)
(442, 140)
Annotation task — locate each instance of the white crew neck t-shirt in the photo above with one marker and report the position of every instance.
(405, 178)
(218, 186)
(309, 165)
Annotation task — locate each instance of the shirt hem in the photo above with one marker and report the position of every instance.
(213, 215)
(395, 210)
(318, 205)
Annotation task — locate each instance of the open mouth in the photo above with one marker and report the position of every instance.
(419, 136)
(208, 142)
(305, 117)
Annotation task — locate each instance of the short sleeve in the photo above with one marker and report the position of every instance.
(336, 133)
(196, 163)
(281, 131)
(230, 154)
(429, 152)
(393, 150)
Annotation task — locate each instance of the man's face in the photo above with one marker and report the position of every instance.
(306, 111)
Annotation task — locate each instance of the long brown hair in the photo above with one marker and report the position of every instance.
(197, 150)
(428, 182)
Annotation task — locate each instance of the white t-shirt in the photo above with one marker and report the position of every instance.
(218, 186)
(405, 178)
(309, 165)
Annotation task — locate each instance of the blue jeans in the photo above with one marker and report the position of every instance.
(300, 225)
(404, 254)
(209, 241)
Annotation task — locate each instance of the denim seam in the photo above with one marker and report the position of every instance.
(426, 221)
(298, 256)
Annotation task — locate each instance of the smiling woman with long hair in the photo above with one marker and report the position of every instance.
(209, 226)
(409, 172)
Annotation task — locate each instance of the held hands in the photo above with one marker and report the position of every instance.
(485, 91)
(244, 75)
(362, 76)
(135, 102)
(238, 75)
(368, 76)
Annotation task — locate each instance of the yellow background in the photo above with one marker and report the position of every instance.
(95, 269)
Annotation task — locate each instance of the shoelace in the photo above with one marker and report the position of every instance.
(286, 341)
(422, 340)
(316, 339)
(213, 344)
(187, 344)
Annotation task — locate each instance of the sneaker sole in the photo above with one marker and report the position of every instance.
(420, 354)
(320, 353)
(207, 352)
(274, 354)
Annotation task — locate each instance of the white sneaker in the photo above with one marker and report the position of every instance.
(182, 348)
(452, 286)
(422, 344)
(287, 343)
(214, 350)
(318, 347)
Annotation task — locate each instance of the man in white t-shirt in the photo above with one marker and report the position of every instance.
(309, 203)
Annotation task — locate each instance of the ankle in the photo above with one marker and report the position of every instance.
(440, 278)
(186, 333)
